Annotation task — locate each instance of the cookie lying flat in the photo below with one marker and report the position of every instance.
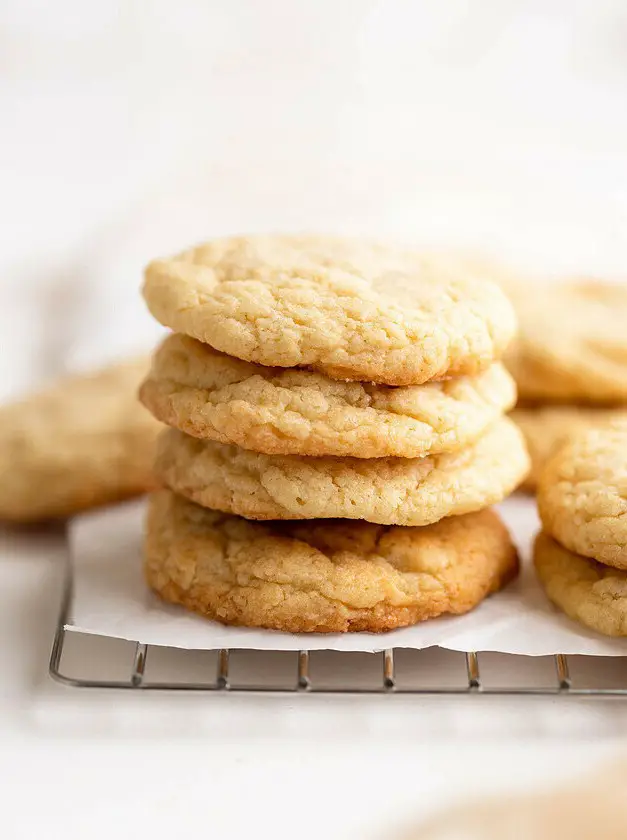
(582, 494)
(282, 411)
(587, 591)
(572, 342)
(350, 309)
(85, 442)
(322, 577)
(391, 491)
(547, 427)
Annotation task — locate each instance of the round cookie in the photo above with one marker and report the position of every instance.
(572, 341)
(322, 577)
(351, 309)
(85, 442)
(547, 427)
(391, 491)
(582, 494)
(281, 411)
(587, 591)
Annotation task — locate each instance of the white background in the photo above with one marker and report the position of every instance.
(129, 129)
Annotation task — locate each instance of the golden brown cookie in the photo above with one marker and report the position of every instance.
(391, 491)
(587, 591)
(350, 309)
(582, 494)
(323, 577)
(572, 342)
(84, 442)
(547, 427)
(282, 411)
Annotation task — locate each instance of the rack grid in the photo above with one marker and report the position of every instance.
(302, 681)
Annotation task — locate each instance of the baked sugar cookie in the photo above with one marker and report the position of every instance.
(84, 442)
(324, 577)
(282, 411)
(350, 309)
(547, 427)
(587, 591)
(391, 491)
(582, 495)
(572, 341)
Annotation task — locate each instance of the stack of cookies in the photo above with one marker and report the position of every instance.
(337, 433)
(569, 362)
(581, 555)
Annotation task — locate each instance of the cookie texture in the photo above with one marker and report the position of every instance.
(351, 309)
(582, 495)
(547, 427)
(390, 491)
(281, 411)
(572, 342)
(587, 591)
(84, 442)
(322, 577)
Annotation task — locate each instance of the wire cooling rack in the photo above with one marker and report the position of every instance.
(395, 673)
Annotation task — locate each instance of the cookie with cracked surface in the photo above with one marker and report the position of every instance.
(350, 309)
(582, 494)
(390, 491)
(547, 427)
(586, 590)
(572, 342)
(282, 411)
(84, 442)
(322, 577)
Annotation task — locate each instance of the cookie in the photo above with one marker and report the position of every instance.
(582, 495)
(322, 577)
(547, 427)
(282, 411)
(84, 442)
(390, 491)
(352, 310)
(587, 591)
(572, 342)
(592, 808)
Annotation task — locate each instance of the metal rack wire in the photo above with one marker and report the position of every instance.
(302, 680)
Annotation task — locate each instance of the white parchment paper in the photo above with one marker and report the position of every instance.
(111, 599)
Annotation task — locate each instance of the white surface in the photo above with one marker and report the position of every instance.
(111, 599)
(130, 129)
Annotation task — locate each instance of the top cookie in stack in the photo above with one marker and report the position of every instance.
(319, 378)
(569, 361)
(356, 317)
(348, 309)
